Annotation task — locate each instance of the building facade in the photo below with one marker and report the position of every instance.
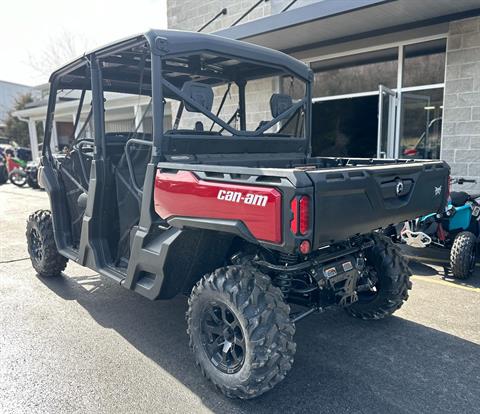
(392, 78)
(122, 113)
(9, 92)
(397, 79)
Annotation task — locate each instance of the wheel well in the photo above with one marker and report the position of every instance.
(194, 253)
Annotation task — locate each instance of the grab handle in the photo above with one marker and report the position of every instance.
(129, 160)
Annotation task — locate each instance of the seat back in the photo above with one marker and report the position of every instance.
(459, 198)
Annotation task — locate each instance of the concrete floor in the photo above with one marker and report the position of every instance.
(81, 343)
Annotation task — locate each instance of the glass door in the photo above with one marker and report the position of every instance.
(421, 124)
(387, 119)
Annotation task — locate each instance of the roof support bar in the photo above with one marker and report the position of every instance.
(158, 107)
(221, 13)
(248, 12)
(97, 106)
(288, 6)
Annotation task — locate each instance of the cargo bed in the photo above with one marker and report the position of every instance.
(365, 195)
(349, 196)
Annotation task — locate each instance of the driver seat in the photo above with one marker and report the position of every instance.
(459, 198)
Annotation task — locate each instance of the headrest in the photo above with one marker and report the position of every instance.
(279, 103)
(201, 93)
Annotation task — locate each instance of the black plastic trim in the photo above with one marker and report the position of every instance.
(228, 226)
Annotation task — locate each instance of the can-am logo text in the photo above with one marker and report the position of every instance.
(238, 197)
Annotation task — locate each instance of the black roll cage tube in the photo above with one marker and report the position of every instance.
(47, 151)
(220, 107)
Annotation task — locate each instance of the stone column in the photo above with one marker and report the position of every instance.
(139, 111)
(32, 133)
(54, 138)
(461, 116)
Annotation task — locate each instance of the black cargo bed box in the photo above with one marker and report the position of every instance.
(357, 199)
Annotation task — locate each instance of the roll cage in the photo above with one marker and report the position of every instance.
(158, 63)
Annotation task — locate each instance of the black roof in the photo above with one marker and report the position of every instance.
(182, 42)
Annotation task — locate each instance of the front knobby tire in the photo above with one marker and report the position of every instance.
(463, 255)
(392, 274)
(46, 259)
(240, 331)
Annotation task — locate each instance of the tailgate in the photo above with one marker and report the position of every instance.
(357, 200)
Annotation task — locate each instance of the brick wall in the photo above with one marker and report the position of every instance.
(191, 15)
(461, 120)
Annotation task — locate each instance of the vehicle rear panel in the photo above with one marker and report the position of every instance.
(182, 193)
(357, 200)
(345, 201)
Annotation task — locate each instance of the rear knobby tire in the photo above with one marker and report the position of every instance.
(46, 259)
(463, 255)
(263, 324)
(393, 281)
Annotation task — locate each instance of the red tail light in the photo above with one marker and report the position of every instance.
(294, 222)
(304, 204)
(304, 247)
(300, 223)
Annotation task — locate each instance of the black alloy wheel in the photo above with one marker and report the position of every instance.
(223, 338)
(240, 331)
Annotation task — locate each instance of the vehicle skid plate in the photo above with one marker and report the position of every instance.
(183, 194)
(341, 277)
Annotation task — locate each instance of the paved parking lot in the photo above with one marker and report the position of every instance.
(81, 343)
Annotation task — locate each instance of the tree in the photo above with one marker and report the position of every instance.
(57, 52)
(14, 128)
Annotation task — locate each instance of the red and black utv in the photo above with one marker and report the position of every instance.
(210, 189)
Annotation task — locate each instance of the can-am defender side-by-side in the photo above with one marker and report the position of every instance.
(213, 192)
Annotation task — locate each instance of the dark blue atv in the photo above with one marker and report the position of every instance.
(456, 230)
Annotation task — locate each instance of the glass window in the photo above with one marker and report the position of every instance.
(345, 127)
(424, 63)
(362, 72)
(421, 125)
